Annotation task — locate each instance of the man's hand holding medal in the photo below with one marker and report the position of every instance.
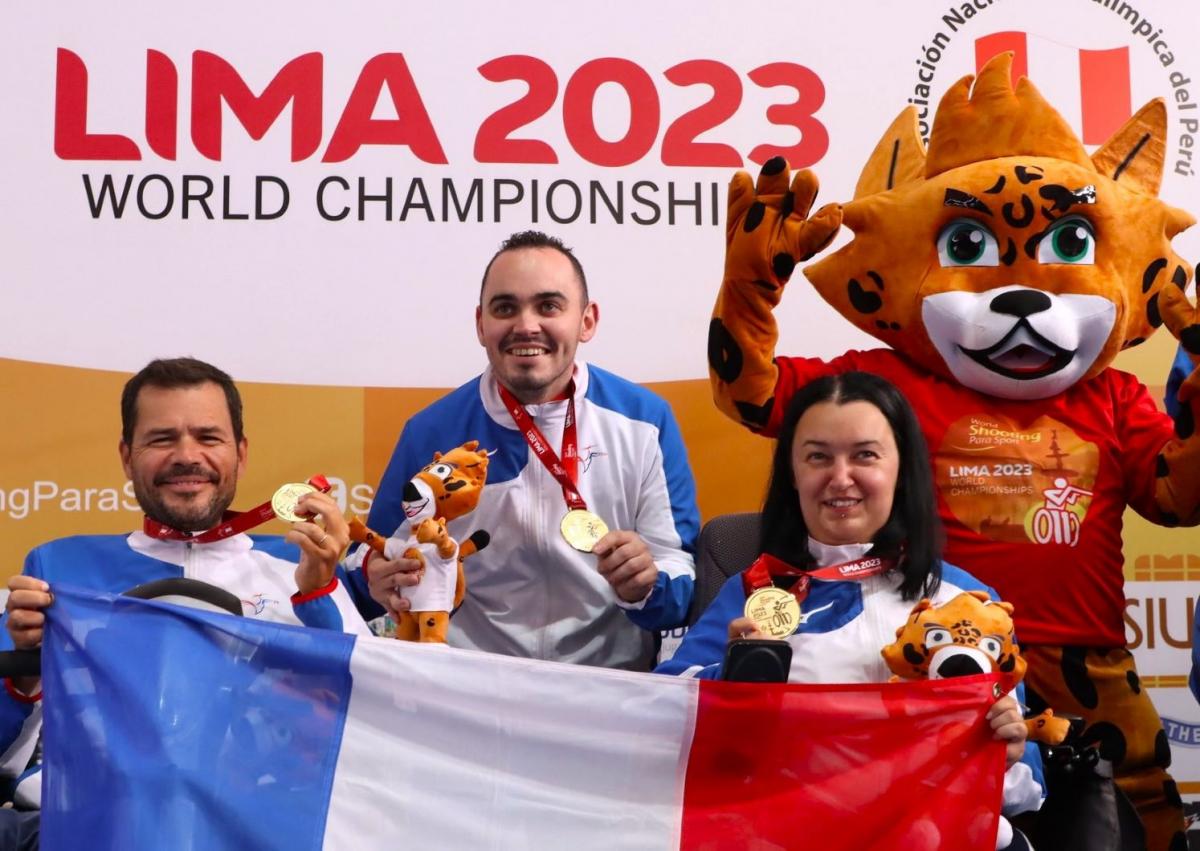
(626, 562)
(624, 558)
(318, 529)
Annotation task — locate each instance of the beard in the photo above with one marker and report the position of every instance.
(534, 385)
(193, 516)
(527, 387)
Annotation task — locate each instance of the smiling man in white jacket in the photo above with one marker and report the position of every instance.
(530, 592)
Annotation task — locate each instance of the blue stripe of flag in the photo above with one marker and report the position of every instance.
(168, 727)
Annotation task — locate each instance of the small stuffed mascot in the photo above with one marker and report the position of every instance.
(969, 634)
(444, 490)
(1003, 268)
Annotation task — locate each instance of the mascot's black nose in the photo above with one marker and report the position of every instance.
(959, 666)
(411, 494)
(1021, 303)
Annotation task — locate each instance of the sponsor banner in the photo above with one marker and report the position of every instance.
(1181, 720)
(1158, 626)
(286, 180)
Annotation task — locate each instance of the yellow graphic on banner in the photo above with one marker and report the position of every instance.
(1014, 482)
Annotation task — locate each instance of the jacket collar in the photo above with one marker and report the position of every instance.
(489, 393)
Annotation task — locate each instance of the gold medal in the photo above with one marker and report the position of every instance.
(774, 611)
(582, 529)
(283, 503)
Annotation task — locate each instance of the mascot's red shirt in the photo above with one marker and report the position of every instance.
(1031, 493)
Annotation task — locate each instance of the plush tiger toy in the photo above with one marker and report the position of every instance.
(443, 490)
(969, 634)
(1005, 267)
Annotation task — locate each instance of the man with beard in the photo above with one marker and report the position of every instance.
(572, 445)
(183, 449)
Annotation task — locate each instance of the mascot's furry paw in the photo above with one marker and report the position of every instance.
(1177, 480)
(1182, 318)
(1047, 728)
(768, 230)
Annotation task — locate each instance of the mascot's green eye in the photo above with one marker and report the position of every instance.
(967, 243)
(1069, 241)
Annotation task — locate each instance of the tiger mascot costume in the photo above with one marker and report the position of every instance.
(1005, 268)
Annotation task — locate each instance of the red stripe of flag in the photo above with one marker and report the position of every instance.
(894, 765)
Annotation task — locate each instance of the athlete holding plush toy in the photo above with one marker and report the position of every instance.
(1005, 268)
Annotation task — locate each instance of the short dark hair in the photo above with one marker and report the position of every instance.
(169, 373)
(912, 533)
(536, 239)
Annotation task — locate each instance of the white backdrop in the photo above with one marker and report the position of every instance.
(258, 292)
(299, 299)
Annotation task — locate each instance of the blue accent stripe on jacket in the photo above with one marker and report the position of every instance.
(636, 402)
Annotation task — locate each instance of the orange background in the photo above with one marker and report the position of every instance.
(62, 424)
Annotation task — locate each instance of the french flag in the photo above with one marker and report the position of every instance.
(168, 727)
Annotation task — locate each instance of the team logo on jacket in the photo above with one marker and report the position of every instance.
(588, 454)
(829, 606)
(257, 604)
(805, 616)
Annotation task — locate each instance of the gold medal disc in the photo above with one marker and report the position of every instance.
(583, 529)
(283, 503)
(774, 611)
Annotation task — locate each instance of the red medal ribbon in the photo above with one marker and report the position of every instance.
(565, 471)
(767, 568)
(233, 523)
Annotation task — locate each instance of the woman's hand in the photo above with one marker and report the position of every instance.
(744, 628)
(1008, 725)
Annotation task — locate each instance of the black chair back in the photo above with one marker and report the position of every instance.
(728, 545)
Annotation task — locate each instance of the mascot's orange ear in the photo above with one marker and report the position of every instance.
(981, 596)
(471, 445)
(898, 158)
(1134, 156)
(437, 456)
(922, 604)
(1007, 607)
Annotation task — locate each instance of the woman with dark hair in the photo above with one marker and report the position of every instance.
(910, 529)
(851, 487)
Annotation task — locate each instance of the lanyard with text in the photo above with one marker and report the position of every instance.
(766, 568)
(564, 471)
(233, 523)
